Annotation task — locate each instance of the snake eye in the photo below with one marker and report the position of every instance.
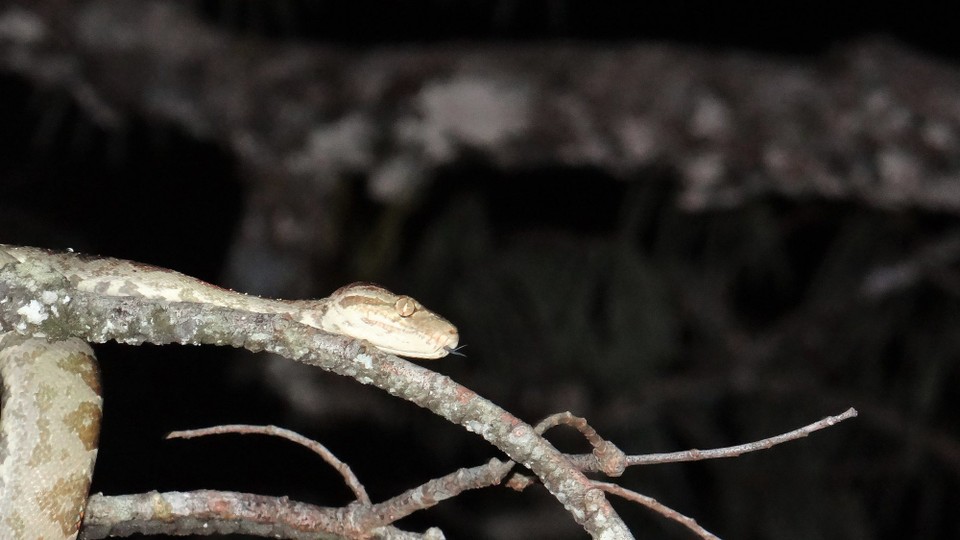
(405, 306)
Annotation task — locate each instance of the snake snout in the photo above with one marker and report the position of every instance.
(448, 340)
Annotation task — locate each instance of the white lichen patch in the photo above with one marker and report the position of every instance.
(397, 179)
(331, 147)
(364, 360)
(711, 119)
(469, 110)
(899, 171)
(33, 312)
(48, 297)
(475, 427)
(639, 139)
(22, 26)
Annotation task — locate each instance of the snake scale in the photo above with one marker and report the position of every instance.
(51, 404)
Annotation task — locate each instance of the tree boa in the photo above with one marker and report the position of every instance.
(51, 403)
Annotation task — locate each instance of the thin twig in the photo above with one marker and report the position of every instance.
(569, 419)
(432, 492)
(351, 480)
(588, 462)
(734, 451)
(657, 507)
(611, 460)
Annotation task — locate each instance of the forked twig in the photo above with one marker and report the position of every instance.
(368, 516)
(611, 460)
(605, 453)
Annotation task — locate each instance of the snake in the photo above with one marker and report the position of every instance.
(50, 392)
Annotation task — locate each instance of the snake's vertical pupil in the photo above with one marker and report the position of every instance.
(405, 306)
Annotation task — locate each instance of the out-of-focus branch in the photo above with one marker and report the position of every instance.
(871, 122)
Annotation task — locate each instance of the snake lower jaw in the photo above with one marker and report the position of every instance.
(438, 346)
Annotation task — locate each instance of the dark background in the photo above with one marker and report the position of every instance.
(576, 286)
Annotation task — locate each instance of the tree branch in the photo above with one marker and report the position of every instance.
(872, 122)
(40, 302)
(221, 512)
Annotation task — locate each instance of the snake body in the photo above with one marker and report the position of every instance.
(50, 391)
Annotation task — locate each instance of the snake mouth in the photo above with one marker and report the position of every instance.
(447, 342)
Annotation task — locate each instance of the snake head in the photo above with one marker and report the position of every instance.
(394, 323)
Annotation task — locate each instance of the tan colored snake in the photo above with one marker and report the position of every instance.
(50, 389)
